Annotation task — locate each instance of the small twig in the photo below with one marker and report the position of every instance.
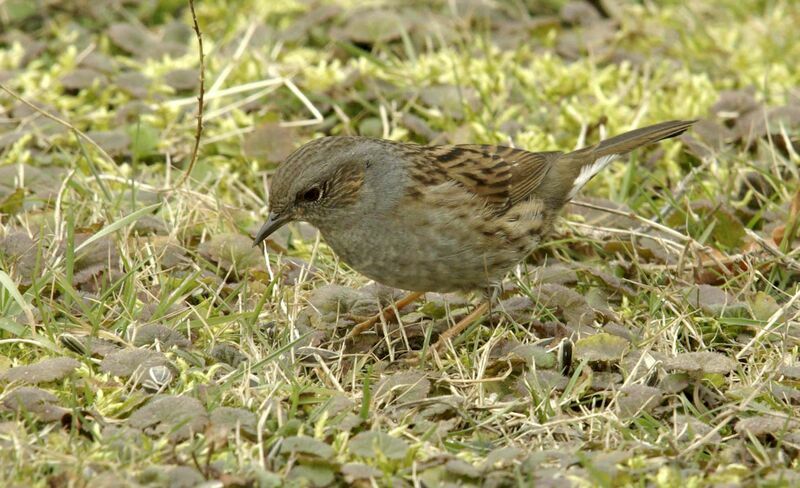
(198, 131)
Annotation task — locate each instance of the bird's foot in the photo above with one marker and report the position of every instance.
(415, 357)
(387, 313)
(462, 324)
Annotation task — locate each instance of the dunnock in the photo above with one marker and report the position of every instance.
(436, 218)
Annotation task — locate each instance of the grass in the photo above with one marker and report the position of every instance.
(658, 347)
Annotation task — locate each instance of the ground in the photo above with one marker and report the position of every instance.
(651, 341)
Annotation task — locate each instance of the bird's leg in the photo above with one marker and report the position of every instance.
(388, 313)
(492, 293)
(462, 324)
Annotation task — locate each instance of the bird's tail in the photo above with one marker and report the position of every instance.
(584, 163)
(629, 141)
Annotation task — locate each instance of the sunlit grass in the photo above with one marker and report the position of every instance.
(680, 58)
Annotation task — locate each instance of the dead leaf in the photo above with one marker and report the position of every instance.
(134, 39)
(233, 253)
(514, 353)
(20, 255)
(691, 428)
(790, 371)
(572, 306)
(131, 38)
(314, 473)
(134, 362)
(567, 303)
(763, 306)
(270, 142)
(41, 183)
(82, 78)
(703, 362)
(172, 476)
(33, 48)
(152, 334)
(357, 471)
(710, 299)
(675, 382)
(502, 457)
(544, 381)
(601, 347)
(733, 104)
(402, 387)
(328, 303)
(131, 113)
(462, 468)
(89, 346)
(339, 404)
(229, 419)
(228, 354)
(121, 439)
(96, 265)
(39, 403)
(579, 13)
(115, 142)
(45, 371)
(418, 126)
(155, 225)
(370, 443)
(605, 380)
(133, 83)
(773, 121)
(98, 61)
(182, 80)
(308, 446)
(166, 250)
(634, 399)
(785, 393)
(608, 462)
(707, 138)
(372, 27)
(8, 139)
(728, 230)
(293, 269)
(766, 425)
(317, 17)
(557, 274)
(595, 39)
(176, 417)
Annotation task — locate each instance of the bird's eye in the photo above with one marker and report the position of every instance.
(313, 194)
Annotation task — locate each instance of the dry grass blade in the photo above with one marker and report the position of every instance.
(665, 328)
(11, 287)
(60, 121)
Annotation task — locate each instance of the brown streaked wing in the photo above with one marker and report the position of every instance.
(503, 176)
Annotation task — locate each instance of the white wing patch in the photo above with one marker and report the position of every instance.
(588, 171)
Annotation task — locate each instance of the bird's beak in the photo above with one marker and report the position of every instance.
(274, 222)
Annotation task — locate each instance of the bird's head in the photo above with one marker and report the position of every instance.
(318, 181)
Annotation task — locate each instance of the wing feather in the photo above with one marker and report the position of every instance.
(502, 176)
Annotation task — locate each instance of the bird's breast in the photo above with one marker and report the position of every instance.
(445, 243)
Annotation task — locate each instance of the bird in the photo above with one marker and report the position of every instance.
(436, 218)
